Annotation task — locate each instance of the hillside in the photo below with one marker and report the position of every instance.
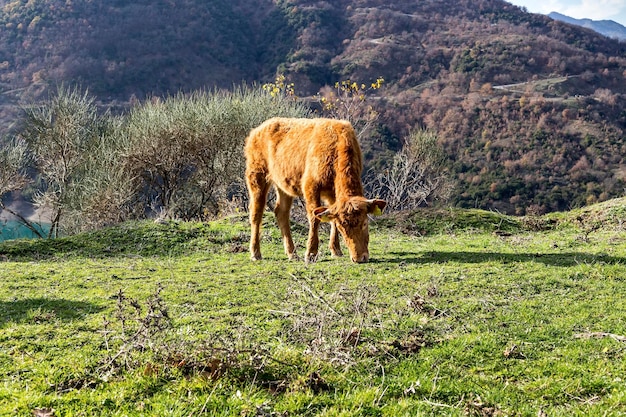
(529, 110)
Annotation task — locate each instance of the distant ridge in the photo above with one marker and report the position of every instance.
(607, 28)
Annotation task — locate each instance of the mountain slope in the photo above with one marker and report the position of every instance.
(159, 47)
(118, 49)
(529, 109)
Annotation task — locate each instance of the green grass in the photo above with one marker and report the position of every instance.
(460, 312)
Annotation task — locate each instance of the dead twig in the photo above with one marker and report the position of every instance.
(600, 335)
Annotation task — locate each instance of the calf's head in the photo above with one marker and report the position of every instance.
(350, 218)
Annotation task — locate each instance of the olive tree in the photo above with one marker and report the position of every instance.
(180, 157)
(186, 151)
(105, 193)
(59, 134)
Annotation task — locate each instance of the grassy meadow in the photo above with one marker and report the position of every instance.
(460, 312)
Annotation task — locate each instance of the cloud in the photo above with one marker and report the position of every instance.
(545, 7)
(579, 9)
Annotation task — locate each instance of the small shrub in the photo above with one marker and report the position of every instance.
(348, 100)
(141, 337)
(132, 332)
(343, 326)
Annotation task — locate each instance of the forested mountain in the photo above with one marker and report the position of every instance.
(530, 110)
(606, 27)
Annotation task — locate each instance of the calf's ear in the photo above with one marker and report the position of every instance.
(375, 207)
(323, 214)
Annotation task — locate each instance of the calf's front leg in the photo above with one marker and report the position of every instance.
(312, 202)
(335, 248)
(312, 245)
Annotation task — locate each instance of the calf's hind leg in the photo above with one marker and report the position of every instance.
(258, 187)
(282, 209)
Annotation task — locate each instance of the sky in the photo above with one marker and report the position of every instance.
(579, 9)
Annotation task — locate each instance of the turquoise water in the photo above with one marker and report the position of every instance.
(15, 230)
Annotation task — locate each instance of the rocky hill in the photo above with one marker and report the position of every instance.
(529, 109)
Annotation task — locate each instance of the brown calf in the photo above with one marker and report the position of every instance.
(319, 160)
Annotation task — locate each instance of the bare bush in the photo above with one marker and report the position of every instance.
(134, 330)
(342, 325)
(416, 177)
(141, 336)
(330, 325)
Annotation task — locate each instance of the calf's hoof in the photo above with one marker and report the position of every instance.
(310, 258)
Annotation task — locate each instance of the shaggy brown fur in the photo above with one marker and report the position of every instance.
(319, 160)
